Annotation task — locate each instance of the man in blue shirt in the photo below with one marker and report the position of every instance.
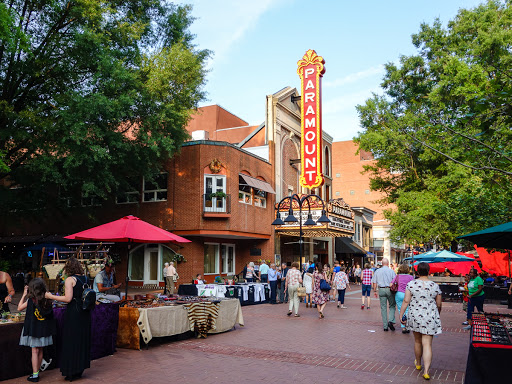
(272, 280)
(264, 272)
(104, 284)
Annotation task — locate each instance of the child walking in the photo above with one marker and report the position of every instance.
(39, 326)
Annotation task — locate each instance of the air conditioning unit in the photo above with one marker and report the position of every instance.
(200, 135)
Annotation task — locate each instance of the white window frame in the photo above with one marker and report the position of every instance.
(262, 199)
(245, 195)
(225, 264)
(217, 260)
(155, 191)
(215, 200)
(93, 201)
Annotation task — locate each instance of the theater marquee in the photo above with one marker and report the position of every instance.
(339, 212)
(311, 69)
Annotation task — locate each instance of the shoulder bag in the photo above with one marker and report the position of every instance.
(394, 286)
(324, 285)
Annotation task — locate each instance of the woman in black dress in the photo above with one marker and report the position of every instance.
(76, 335)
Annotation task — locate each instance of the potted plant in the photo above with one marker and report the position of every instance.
(219, 194)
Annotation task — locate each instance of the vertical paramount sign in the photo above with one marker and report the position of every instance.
(311, 69)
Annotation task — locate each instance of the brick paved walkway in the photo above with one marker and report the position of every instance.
(348, 346)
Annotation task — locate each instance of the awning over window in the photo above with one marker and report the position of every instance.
(258, 184)
(347, 245)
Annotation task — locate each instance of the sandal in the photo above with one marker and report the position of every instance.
(426, 376)
(297, 315)
(418, 367)
(321, 315)
(289, 313)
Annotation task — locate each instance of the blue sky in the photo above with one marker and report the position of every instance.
(257, 44)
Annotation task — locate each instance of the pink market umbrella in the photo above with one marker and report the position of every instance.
(128, 229)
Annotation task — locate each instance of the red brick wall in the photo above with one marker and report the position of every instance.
(349, 166)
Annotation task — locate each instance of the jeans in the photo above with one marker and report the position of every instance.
(341, 296)
(283, 297)
(399, 298)
(249, 279)
(293, 298)
(386, 296)
(273, 291)
(264, 278)
(478, 302)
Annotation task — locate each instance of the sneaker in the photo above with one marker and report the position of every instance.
(465, 323)
(343, 307)
(368, 308)
(467, 328)
(45, 364)
(338, 305)
(33, 379)
(362, 306)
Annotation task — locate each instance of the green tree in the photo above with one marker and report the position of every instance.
(93, 91)
(441, 132)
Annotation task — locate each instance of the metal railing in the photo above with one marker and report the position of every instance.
(214, 204)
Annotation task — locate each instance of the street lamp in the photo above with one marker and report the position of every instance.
(300, 200)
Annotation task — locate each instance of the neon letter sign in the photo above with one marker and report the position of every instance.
(310, 70)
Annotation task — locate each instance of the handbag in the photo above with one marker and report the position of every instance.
(301, 291)
(324, 285)
(175, 277)
(394, 286)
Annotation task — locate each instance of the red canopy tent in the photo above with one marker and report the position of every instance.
(457, 268)
(494, 262)
(128, 229)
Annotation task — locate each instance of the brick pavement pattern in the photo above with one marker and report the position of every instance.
(348, 346)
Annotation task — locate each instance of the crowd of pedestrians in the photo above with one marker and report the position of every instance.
(418, 301)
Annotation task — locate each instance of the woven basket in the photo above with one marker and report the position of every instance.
(52, 270)
(301, 291)
(94, 269)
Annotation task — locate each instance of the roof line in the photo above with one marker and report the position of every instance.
(251, 135)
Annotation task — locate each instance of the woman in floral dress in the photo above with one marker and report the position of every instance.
(424, 299)
(320, 298)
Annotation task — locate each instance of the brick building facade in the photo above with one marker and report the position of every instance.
(351, 183)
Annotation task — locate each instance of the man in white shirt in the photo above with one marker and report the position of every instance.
(171, 278)
(166, 265)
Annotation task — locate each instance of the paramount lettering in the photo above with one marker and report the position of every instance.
(311, 69)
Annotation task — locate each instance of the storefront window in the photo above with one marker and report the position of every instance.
(211, 258)
(137, 264)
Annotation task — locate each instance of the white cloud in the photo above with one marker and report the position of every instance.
(220, 24)
(346, 102)
(355, 77)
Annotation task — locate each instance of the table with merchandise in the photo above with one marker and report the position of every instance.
(246, 293)
(490, 350)
(167, 316)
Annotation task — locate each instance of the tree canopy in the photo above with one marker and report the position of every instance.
(93, 91)
(441, 132)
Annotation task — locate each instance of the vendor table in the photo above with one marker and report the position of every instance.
(174, 320)
(15, 361)
(487, 362)
(248, 294)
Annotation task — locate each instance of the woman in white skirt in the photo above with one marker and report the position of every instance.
(308, 284)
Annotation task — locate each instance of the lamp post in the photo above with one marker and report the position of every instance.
(300, 200)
